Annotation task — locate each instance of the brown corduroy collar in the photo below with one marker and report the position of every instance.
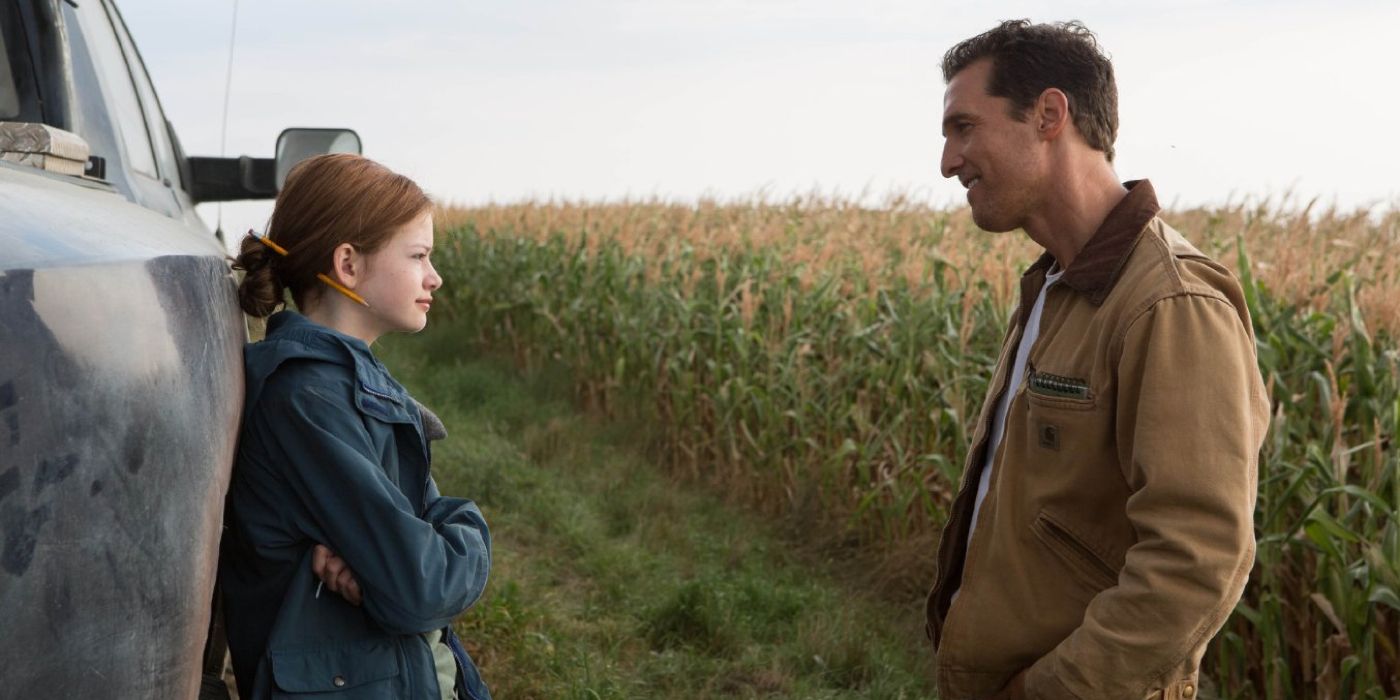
(1096, 268)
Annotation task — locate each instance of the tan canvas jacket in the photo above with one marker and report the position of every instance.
(1117, 531)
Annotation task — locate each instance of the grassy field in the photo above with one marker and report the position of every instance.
(610, 582)
(819, 361)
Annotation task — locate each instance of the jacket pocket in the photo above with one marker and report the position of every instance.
(383, 406)
(362, 670)
(1079, 557)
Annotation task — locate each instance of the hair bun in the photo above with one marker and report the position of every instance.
(260, 292)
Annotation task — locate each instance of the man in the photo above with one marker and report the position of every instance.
(1104, 528)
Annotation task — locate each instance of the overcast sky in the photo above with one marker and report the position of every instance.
(496, 100)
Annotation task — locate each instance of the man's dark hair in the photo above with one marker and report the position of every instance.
(1029, 58)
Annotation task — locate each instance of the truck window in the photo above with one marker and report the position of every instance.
(105, 56)
(9, 96)
(155, 117)
(108, 109)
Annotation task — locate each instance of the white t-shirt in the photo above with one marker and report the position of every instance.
(1018, 370)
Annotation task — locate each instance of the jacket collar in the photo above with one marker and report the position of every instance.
(1095, 270)
(299, 336)
(293, 336)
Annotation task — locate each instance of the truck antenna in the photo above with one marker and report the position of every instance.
(223, 128)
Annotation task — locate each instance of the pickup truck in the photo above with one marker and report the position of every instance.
(121, 377)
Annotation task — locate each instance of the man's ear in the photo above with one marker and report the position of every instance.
(347, 265)
(1051, 113)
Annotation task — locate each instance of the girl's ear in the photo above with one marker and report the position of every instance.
(347, 266)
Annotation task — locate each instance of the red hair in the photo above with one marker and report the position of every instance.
(327, 200)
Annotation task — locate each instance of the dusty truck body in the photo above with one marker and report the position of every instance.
(120, 364)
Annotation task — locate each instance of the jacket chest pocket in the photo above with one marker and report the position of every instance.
(383, 404)
(1063, 415)
(1061, 449)
(358, 671)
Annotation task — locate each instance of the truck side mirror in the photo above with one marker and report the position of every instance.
(296, 145)
(229, 179)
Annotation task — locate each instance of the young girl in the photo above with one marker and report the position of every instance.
(342, 566)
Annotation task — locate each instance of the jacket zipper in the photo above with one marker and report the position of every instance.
(955, 515)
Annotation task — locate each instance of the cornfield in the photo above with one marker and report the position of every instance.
(823, 360)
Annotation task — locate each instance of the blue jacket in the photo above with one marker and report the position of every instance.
(332, 451)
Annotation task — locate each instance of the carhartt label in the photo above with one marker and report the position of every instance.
(1049, 436)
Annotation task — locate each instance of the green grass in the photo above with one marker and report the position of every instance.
(610, 580)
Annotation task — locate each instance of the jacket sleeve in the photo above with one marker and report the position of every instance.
(1191, 416)
(416, 573)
